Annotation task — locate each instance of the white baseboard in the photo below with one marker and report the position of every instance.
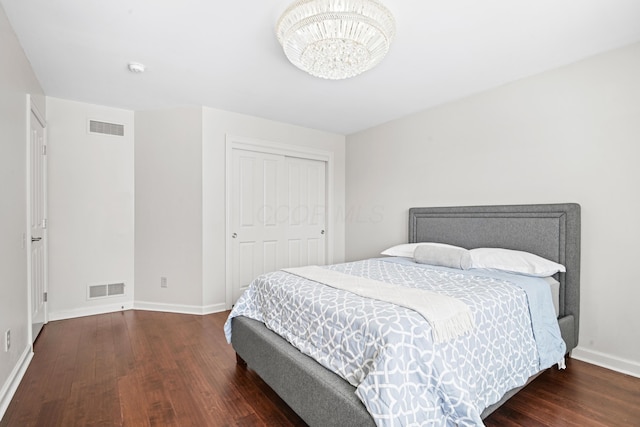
(137, 305)
(214, 308)
(90, 311)
(11, 385)
(624, 366)
(179, 308)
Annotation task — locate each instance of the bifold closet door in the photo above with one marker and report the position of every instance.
(306, 212)
(278, 214)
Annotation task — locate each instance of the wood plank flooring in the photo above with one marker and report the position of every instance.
(138, 368)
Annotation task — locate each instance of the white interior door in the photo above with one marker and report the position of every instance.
(37, 223)
(278, 215)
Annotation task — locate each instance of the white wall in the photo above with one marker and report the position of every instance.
(180, 201)
(568, 135)
(216, 125)
(16, 81)
(168, 170)
(90, 208)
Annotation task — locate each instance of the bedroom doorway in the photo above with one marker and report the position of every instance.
(37, 221)
(276, 213)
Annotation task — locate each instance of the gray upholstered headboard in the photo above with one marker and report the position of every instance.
(551, 231)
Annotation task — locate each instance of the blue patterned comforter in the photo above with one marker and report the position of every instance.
(385, 351)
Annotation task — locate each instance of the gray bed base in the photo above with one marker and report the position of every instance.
(323, 399)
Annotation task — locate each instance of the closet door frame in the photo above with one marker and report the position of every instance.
(234, 142)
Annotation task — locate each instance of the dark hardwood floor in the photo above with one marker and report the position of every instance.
(138, 368)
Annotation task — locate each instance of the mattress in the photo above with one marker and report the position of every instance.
(554, 289)
(379, 353)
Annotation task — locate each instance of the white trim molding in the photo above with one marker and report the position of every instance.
(618, 364)
(138, 305)
(90, 311)
(179, 308)
(11, 385)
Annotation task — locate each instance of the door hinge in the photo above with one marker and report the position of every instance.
(45, 296)
(44, 150)
(44, 223)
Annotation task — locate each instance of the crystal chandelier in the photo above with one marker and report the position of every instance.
(335, 39)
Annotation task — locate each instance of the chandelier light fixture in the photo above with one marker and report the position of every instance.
(335, 39)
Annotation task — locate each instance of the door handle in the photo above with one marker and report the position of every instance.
(36, 239)
(234, 235)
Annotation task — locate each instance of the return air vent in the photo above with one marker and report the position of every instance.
(104, 291)
(105, 128)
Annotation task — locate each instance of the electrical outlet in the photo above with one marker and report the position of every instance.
(163, 282)
(7, 340)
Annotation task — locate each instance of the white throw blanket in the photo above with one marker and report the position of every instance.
(449, 317)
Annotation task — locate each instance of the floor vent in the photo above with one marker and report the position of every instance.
(105, 128)
(104, 291)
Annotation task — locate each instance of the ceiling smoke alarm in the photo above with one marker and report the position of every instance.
(136, 67)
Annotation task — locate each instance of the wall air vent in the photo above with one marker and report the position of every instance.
(105, 128)
(104, 291)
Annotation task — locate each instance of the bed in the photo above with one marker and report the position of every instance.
(323, 398)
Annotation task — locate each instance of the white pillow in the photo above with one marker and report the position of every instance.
(514, 262)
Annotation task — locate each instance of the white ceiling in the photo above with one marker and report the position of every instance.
(224, 54)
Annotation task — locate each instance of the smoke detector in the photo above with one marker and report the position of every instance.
(136, 67)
